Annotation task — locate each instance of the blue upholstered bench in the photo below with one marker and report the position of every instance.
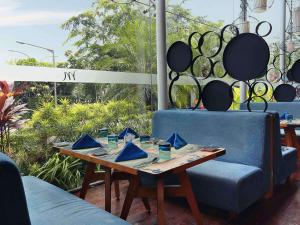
(31, 201)
(240, 177)
(280, 107)
(285, 158)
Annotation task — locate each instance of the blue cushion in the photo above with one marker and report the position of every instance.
(288, 163)
(280, 107)
(246, 138)
(50, 205)
(13, 207)
(228, 186)
(219, 129)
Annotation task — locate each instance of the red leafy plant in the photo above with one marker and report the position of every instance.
(10, 113)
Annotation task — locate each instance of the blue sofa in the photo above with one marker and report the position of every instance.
(284, 158)
(31, 201)
(280, 107)
(243, 175)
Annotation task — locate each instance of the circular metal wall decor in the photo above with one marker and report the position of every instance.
(217, 96)
(214, 52)
(179, 56)
(202, 67)
(198, 90)
(259, 26)
(296, 71)
(285, 93)
(246, 57)
(261, 98)
(232, 28)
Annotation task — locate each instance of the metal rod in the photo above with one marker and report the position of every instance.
(20, 53)
(243, 86)
(161, 55)
(53, 63)
(283, 40)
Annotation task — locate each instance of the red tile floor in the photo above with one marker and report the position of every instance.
(282, 209)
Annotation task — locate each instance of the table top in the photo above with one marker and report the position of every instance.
(181, 159)
(294, 123)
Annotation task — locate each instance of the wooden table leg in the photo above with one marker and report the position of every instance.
(89, 172)
(107, 182)
(160, 202)
(132, 189)
(187, 188)
(146, 204)
(117, 189)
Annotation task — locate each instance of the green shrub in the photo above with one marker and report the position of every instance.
(61, 171)
(32, 145)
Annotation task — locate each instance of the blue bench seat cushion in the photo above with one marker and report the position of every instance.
(289, 162)
(50, 205)
(225, 185)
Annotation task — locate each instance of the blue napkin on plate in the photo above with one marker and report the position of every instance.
(128, 130)
(176, 141)
(284, 116)
(131, 152)
(86, 141)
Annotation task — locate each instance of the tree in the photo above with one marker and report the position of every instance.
(39, 92)
(121, 37)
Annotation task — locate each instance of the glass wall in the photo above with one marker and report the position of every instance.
(112, 44)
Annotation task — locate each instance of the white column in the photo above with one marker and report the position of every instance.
(162, 86)
(283, 37)
(245, 28)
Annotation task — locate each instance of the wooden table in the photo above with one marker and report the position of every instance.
(290, 136)
(181, 160)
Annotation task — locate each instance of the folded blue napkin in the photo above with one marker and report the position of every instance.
(284, 116)
(176, 141)
(86, 141)
(131, 152)
(128, 130)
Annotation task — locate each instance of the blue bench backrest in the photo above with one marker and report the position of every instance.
(245, 135)
(280, 107)
(13, 206)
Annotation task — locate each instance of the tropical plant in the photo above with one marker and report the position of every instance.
(61, 171)
(10, 113)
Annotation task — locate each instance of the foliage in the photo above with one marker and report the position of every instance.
(69, 121)
(60, 171)
(10, 114)
(32, 145)
(121, 37)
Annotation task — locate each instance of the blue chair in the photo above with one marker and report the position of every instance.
(243, 175)
(31, 201)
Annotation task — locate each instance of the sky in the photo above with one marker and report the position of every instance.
(39, 22)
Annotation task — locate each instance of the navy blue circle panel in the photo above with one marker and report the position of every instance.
(289, 75)
(296, 71)
(217, 96)
(285, 93)
(246, 57)
(179, 56)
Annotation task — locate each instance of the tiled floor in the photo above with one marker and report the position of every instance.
(282, 209)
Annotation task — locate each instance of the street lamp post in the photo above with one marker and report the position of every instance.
(19, 53)
(53, 63)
